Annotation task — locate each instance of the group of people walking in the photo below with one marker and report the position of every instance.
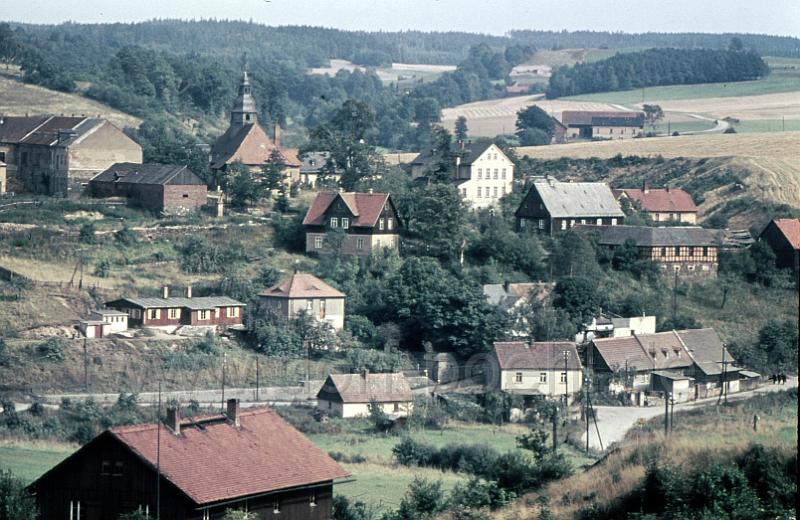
(778, 379)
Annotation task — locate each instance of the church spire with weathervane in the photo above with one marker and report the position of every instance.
(244, 110)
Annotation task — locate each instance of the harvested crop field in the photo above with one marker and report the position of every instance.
(767, 106)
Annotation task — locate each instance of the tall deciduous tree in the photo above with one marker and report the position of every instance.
(534, 126)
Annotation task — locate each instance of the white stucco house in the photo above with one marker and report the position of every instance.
(550, 369)
(349, 395)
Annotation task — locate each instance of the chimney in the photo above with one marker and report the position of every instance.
(173, 420)
(365, 373)
(277, 132)
(188, 291)
(233, 411)
(645, 187)
(370, 191)
(165, 292)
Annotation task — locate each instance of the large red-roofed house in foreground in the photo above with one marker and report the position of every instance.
(369, 222)
(252, 460)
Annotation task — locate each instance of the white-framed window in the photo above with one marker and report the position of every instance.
(389, 223)
(563, 224)
(542, 377)
(479, 192)
(276, 505)
(202, 315)
(359, 243)
(563, 377)
(464, 192)
(136, 313)
(613, 222)
(503, 174)
(541, 223)
(518, 377)
(174, 314)
(312, 500)
(155, 314)
(380, 224)
(495, 192)
(496, 173)
(345, 223)
(480, 173)
(317, 242)
(206, 515)
(334, 222)
(233, 312)
(599, 222)
(571, 222)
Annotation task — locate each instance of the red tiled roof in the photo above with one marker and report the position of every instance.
(790, 227)
(302, 285)
(621, 352)
(248, 144)
(221, 461)
(365, 207)
(513, 355)
(363, 388)
(673, 200)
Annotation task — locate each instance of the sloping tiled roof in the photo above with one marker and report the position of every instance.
(302, 285)
(48, 133)
(621, 352)
(666, 350)
(366, 387)
(365, 207)
(512, 355)
(198, 303)
(790, 227)
(471, 152)
(248, 144)
(507, 295)
(674, 200)
(577, 199)
(149, 173)
(14, 128)
(220, 461)
(655, 236)
(602, 118)
(705, 347)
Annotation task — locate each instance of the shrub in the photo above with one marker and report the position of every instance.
(380, 421)
(51, 349)
(413, 453)
(343, 509)
(338, 456)
(126, 236)
(15, 502)
(103, 268)
(478, 494)
(87, 232)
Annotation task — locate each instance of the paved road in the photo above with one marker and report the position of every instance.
(615, 421)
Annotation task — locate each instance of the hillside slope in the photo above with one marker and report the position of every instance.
(740, 168)
(18, 98)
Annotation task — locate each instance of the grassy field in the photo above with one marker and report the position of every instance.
(699, 438)
(380, 481)
(768, 125)
(780, 80)
(17, 98)
(30, 460)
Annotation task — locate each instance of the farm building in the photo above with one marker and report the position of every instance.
(661, 204)
(170, 313)
(551, 206)
(542, 369)
(246, 142)
(688, 252)
(164, 188)
(54, 154)
(94, 328)
(483, 172)
(117, 320)
(197, 468)
(369, 222)
(584, 124)
(783, 237)
(349, 395)
(303, 292)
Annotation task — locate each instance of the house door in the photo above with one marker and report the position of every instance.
(322, 309)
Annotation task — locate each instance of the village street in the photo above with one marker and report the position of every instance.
(615, 421)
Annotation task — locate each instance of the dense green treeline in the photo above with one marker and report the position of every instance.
(656, 67)
(765, 45)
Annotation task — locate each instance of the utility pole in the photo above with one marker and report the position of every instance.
(666, 413)
(555, 430)
(566, 383)
(724, 377)
(224, 362)
(158, 454)
(671, 412)
(258, 378)
(586, 407)
(85, 368)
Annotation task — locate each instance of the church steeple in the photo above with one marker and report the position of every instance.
(244, 110)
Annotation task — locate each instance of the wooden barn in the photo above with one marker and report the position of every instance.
(196, 468)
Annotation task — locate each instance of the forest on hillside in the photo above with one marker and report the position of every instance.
(657, 67)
